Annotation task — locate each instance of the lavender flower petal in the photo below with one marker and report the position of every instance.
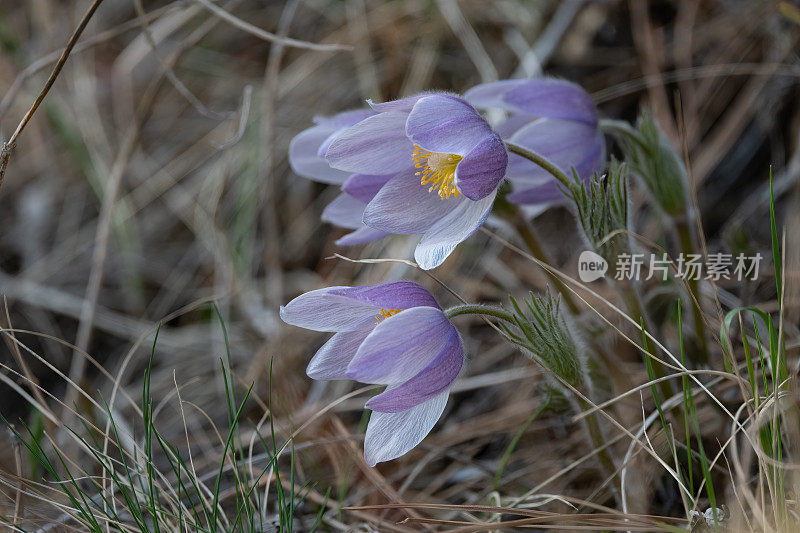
(405, 206)
(304, 159)
(482, 170)
(344, 211)
(331, 360)
(433, 379)
(446, 124)
(362, 235)
(437, 243)
(545, 97)
(307, 149)
(338, 123)
(376, 145)
(551, 98)
(490, 95)
(544, 195)
(402, 104)
(400, 346)
(347, 212)
(325, 310)
(512, 124)
(392, 295)
(390, 435)
(365, 186)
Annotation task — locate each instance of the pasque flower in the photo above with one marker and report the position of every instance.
(393, 334)
(555, 119)
(307, 158)
(443, 164)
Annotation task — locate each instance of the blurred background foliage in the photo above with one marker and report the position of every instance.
(154, 181)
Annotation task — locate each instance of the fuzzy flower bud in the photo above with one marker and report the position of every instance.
(601, 206)
(658, 165)
(548, 340)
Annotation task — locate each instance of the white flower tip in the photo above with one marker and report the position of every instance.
(428, 260)
(285, 314)
(313, 372)
(374, 454)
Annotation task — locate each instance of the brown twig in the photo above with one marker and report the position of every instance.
(267, 36)
(8, 146)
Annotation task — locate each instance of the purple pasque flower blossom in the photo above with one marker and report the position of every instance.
(444, 164)
(307, 158)
(553, 118)
(392, 334)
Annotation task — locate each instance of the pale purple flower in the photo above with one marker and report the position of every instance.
(393, 334)
(445, 163)
(307, 158)
(555, 119)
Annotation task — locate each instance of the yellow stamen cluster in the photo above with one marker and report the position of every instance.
(436, 169)
(386, 313)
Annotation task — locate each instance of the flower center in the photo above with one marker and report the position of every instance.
(386, 313)
(438, 170)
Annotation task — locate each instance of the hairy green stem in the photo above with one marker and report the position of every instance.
(598, 441)
(687, 247)
(479, 309)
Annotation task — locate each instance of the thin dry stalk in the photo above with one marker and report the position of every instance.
(9, 145)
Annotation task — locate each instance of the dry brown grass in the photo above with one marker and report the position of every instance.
(153, 180)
